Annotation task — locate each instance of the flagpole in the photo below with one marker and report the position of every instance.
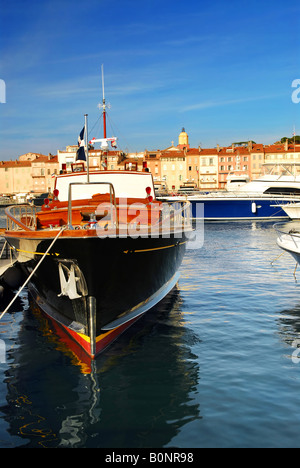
(87, 148)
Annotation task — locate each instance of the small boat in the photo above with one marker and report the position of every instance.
(288, 238)
(261, 199)
(6, 200)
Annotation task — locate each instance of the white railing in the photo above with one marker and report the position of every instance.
(112, 202)
(176, 215)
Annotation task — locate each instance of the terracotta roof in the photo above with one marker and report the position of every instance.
(42, 158)
(281, 148)
(15, 164)
(258, 147)
(206, 151)
(173, 154)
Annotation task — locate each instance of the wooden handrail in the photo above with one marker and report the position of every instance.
(11, 217)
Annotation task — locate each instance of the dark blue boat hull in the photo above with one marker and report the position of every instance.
(237, 209)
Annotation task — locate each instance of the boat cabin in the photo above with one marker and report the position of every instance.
(121, 197)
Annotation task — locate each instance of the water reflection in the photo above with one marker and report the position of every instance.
(289, 325)
(140, 393)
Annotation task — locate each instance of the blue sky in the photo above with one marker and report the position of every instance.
(223, 70)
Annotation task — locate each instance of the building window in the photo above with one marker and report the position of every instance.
(190, 168)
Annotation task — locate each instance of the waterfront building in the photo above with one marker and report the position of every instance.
(30, 156)
(192, 166)
(43, 170)
(257, 159)
(15, 177)
(241, 159)
(98, 159)
(152, 161)
(67, 158)
(173, 167)
(282, 153)
(176, 166)
(207, 169)
(33, 173)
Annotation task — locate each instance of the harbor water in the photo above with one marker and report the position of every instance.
(214, 365)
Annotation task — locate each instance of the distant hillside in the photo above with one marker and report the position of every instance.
(243, 143)
(291, 140)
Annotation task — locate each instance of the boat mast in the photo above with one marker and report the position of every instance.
(103, 105)
(87, 148)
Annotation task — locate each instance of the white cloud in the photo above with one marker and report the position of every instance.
(226, 102)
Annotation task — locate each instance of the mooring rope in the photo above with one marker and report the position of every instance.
(33, 271)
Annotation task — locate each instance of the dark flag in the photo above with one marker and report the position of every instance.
(80, 153)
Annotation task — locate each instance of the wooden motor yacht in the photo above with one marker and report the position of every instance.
(101, 253)
(102, 250)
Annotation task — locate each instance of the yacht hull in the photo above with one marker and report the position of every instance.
(95, 288)
(220, 208)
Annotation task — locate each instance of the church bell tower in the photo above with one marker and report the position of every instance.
(183, 140)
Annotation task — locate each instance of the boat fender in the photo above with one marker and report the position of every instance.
(253, 207)
(13, 277)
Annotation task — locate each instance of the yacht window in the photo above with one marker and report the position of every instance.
(282, 190)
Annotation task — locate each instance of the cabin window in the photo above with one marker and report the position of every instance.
(283, 190)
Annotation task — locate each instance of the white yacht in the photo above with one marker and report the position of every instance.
(262, 198)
